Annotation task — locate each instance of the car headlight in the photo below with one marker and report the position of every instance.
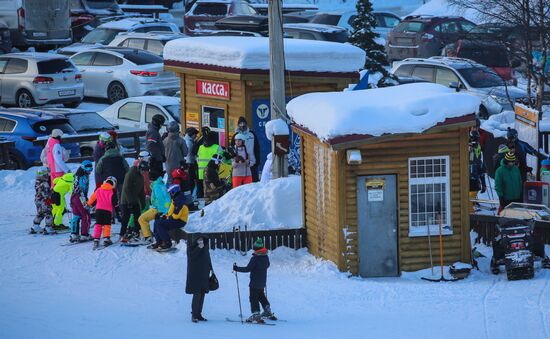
(501, 100)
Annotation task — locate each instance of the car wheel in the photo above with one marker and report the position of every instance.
(86, 152)
(483, 114)
(116, 92)
(24, 99)
(73, 104)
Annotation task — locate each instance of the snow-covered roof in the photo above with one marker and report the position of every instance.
(411, 108)
(253, 53)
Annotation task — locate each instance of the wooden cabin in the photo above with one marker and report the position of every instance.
(224, 78)
(372, 185)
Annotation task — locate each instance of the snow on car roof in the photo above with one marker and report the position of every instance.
(315, 27)
(253, 53)
(411, 108)
(444, 8)
(162, 100)
(126, 24)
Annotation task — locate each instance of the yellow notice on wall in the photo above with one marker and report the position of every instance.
(192, 120)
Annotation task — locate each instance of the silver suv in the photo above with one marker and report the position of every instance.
(467, 75)
(30, 79)
(151, 41)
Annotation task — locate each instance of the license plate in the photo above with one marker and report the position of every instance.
(404, 41)
(39, 34)
(66, 93)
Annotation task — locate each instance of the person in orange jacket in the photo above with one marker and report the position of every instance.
(104, 198)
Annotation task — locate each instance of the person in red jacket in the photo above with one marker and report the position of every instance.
(104, 198)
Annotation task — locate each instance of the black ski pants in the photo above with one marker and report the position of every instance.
(196, 304)
(257, 297)
(127, 210)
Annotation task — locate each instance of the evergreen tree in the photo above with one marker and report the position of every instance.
(363, 36)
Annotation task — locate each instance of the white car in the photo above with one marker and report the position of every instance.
(152, 41)
(116, 73)
(137, 112)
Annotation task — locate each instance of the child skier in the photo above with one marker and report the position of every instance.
(61, 186)
(258, 265)
(80, 224)
(42, 202)
(104, 198)
(181, 177)
(174, 219)
(160, 202)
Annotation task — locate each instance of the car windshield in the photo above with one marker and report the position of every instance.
(101, 4)
(216, 9)
(101, 36)
(481, 77)
(327, 19)
(55, 66)
(492, 57)
(88, 122)
(175, 111)
(140, 57)
(339, 36)
(410, 26)
(45, 127)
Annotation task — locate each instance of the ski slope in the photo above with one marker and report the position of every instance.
(52, 291)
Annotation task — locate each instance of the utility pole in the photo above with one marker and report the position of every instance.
(277, 80)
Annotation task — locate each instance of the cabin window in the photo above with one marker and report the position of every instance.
(429, 195)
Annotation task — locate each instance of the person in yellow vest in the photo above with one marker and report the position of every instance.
(206, 151)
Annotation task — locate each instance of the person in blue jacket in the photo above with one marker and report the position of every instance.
(257, 266)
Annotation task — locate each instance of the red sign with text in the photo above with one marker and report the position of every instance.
(213, 89)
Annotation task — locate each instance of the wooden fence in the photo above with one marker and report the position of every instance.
(485, 227)
(243, 240)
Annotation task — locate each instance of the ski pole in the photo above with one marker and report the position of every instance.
(239, 296)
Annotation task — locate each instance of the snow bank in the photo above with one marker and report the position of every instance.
(253, 53)
(444, 8)
(410, 108)
(276, 204)
(498, 124)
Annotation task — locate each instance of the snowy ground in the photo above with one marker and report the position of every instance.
(50, 291)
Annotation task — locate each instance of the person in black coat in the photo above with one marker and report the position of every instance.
(199, 267)
(154, 144)
(257, 266)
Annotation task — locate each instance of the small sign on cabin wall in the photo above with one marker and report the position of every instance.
(375, 189)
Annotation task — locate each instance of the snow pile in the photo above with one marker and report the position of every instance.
(253, 53)
(410, 108)
(498, 124)
(276, 127)
(276, 204)
(444, 8)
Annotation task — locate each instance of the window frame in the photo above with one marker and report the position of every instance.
(118, 60)
(14, 126)
(447, 228)
(13, 60)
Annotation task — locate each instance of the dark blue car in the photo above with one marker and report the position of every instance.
(22, 127)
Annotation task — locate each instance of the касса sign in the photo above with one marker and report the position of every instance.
(213, 89)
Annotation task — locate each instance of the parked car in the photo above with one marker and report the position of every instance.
(116, 73)
(5, 39)
(204, 13)
(23, 126)
(105, 33)
(309, 31)
(491, 54)
(425, 36)
(137, 112)
(88, 14)
(467, 75)
(398, 80)
(42, 24)
(385, 21)
(152, 41)
(30, 79)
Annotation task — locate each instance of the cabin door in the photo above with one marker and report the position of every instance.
(377, 213)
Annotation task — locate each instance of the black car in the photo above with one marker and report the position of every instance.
(309, 31)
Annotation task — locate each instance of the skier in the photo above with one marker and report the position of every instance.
(508, 181)
(242, 162)
(99, 151)
(477, 168)
(104, 198)
(501, 153)
(80, 223)
(112, 163)
(176, 218)
(182, 178)
(160, 202)
(61, 186)
(154, 144)
(257, 266)
(520, 149)
(175, 149)
(191, 158)
(54, 155)
(132, 200)
(214, 188)
(43, 202)
(251, 143)
(199, 267)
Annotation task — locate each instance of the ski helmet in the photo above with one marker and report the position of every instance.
(56, 133)
(105, 137)
(174, 190)
(87, 165)
(512, 134)
(144, 155)
(179, 173)
(111, 180)
(474, 136)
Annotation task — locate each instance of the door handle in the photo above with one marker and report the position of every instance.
(109, 71)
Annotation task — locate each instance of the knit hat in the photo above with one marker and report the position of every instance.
(56, 133)
(258, 244)
(242, 119)
(503, 148)
(173, 127)
(510, 157)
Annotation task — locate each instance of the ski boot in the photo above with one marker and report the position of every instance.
(96, 243)
(267, 314)
(107, 242)
(201, 318)
(545, 262)
(60, 227)
(154, 246)
(494, 267)
(49, 230)
(164, 246)
(84, 238)
(255, 318)
(36, 229)
(74, 238)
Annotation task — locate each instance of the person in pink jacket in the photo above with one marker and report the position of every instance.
(104, 198)
(54, 155)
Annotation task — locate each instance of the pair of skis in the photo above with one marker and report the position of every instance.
(263, 321)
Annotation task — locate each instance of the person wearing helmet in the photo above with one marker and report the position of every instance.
(477, 168)
(160, 202)
(175, 149)
(242, 162)
(112, 163)
(99, 150)
(54, 155)
(214, 187)
(43, 203)
(154, 143)
(182, 178)
(145, 157)
(132, 200)
(191, 134)
(61, 186)
(104, 199)
(520, 149)
(207, 150)
(173, 220)
(80, 223)
(251, 144)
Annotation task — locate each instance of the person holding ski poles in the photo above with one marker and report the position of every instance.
(199, 267)
(257, 266)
